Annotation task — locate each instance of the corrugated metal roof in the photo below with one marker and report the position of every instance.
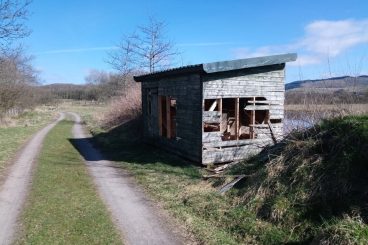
(221, 66)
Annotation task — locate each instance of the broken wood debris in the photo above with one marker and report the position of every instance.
(231, 184)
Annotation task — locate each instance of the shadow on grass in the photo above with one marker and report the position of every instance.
(123, 144)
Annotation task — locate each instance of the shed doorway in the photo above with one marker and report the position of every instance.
(167, 116)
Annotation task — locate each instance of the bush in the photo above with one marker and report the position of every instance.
(312, 182)
(126, 107)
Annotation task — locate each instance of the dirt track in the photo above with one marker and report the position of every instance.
(14, 189)
(135, 216)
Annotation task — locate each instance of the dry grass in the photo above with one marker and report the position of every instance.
(355, 109)
(125, 107)
(300, 116)
(312, 183)
(14, 131)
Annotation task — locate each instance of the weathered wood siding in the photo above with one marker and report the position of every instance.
(265, 82)
(187, 90)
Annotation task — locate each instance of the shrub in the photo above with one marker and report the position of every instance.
(125, 107)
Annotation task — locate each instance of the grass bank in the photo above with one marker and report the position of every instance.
(312, 186)
(63, 206)
(18, 130)
(309, 188)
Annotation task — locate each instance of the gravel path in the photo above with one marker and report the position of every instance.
(135, 216)
(14, 189)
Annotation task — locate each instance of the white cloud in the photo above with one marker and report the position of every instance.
(322, 39)
(334, 37)
(306, 60)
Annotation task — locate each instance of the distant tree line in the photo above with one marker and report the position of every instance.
(340, 96)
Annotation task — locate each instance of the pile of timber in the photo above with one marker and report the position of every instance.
(218, 173)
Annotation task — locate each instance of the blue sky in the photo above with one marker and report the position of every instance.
(70, 38)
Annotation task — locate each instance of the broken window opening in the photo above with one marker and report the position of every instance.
(242, 116)
(212, 104)
(237, 118)
(228, 119)
(275, 120)
(172, 118)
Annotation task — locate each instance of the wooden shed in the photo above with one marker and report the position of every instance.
(216, 112)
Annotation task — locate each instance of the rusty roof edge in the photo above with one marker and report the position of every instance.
(222, 66)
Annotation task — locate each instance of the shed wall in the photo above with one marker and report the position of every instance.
(187, 90)
(267, 82)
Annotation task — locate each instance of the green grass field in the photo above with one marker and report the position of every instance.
(19, 130)
(292, 200)
(266, 209)
(63, 206)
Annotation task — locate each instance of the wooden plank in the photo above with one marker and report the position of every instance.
(237, 123)
(233, 143)
(272, 132)
(220, 110)
(211, 116)
(228, 186)
(211, 136)
(213, 106)
(259, 125)
(256, 107)
(159, 102)
(253, 121)
(229, 154)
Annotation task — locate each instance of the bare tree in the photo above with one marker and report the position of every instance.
(17, 76)
(13, 14)
(96, 77)
(146, 49)
(16, 71)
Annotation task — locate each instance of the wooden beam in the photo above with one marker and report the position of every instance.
(219, 101)
(230, 185)
(272, 131)
(253, 121)
(168, 117)
(213, 106)
(220, 110)
(237, 123)
(256, 107)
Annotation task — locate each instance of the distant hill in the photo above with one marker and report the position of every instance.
(346, 83)
(344, 89)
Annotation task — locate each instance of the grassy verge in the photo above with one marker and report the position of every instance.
(18, 130)
(309, 188)
(312, 190)
(63, 207)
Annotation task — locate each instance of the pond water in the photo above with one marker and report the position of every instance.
(291, 124)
